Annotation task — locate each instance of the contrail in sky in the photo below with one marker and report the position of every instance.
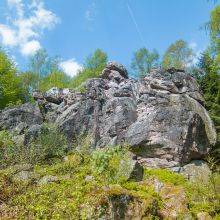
(135, 23)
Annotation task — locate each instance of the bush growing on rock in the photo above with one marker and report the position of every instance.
(8, 149)
(48, 145)
(115, 163)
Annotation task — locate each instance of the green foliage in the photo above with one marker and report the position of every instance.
(82, 76)
(54, 79)
(7, 149)
(29, 80)
(42, 65)
(214, 28)
(11, 90)
(178, 55)
(102, 157)
(93, 67)
(165, 176)
(201, 197)
(114, 163)
(72, 196)
(96, 61)
(209, 82)
(204, 197)
(144, 60)
(44, 73)
(49, 145)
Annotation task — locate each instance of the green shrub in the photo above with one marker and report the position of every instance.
(11, 90)
(10, 152)
(50, 144)
(114, 163)
(204, 197)
(165, 176)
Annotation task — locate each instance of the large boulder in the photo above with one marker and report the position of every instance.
(172, 124)
(161, 117)
(196, 170)
(20, 118)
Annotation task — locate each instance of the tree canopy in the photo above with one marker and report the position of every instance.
(54, 79)
(214, 28)
(178, 55)
(11, 91)
(92, 68)
(42, 64)
(144, 60)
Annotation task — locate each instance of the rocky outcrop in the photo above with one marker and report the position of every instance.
(161, 116)
(20, 118)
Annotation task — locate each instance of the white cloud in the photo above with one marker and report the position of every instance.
(26, 25)
(8, 36)
(197, 52)
(70, 67)
(90, 12)
(88, 15)
(196, 57)
(18, 5)
(193, 45)
(30, 48)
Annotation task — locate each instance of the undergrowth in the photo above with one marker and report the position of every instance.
(88, 185)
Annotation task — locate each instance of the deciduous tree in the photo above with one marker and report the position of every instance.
(179, 55)
(11, 91)
(144, 60)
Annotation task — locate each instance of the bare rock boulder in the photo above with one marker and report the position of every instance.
(20, 117)
(161, 117)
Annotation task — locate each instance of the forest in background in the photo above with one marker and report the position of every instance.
(44, 72)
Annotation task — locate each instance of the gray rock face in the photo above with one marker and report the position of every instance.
(20, 118)
(161, 116)
(53, 95)
(114, 71)
(196, 170)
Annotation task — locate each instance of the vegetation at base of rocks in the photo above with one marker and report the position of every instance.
(82, 184)
(201, 197)
(48, 145)
(166, 176)
(78, 192)
(205, 197)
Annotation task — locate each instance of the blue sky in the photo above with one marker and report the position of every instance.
(73, 29)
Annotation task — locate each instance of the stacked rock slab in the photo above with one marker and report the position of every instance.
(161, 116)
